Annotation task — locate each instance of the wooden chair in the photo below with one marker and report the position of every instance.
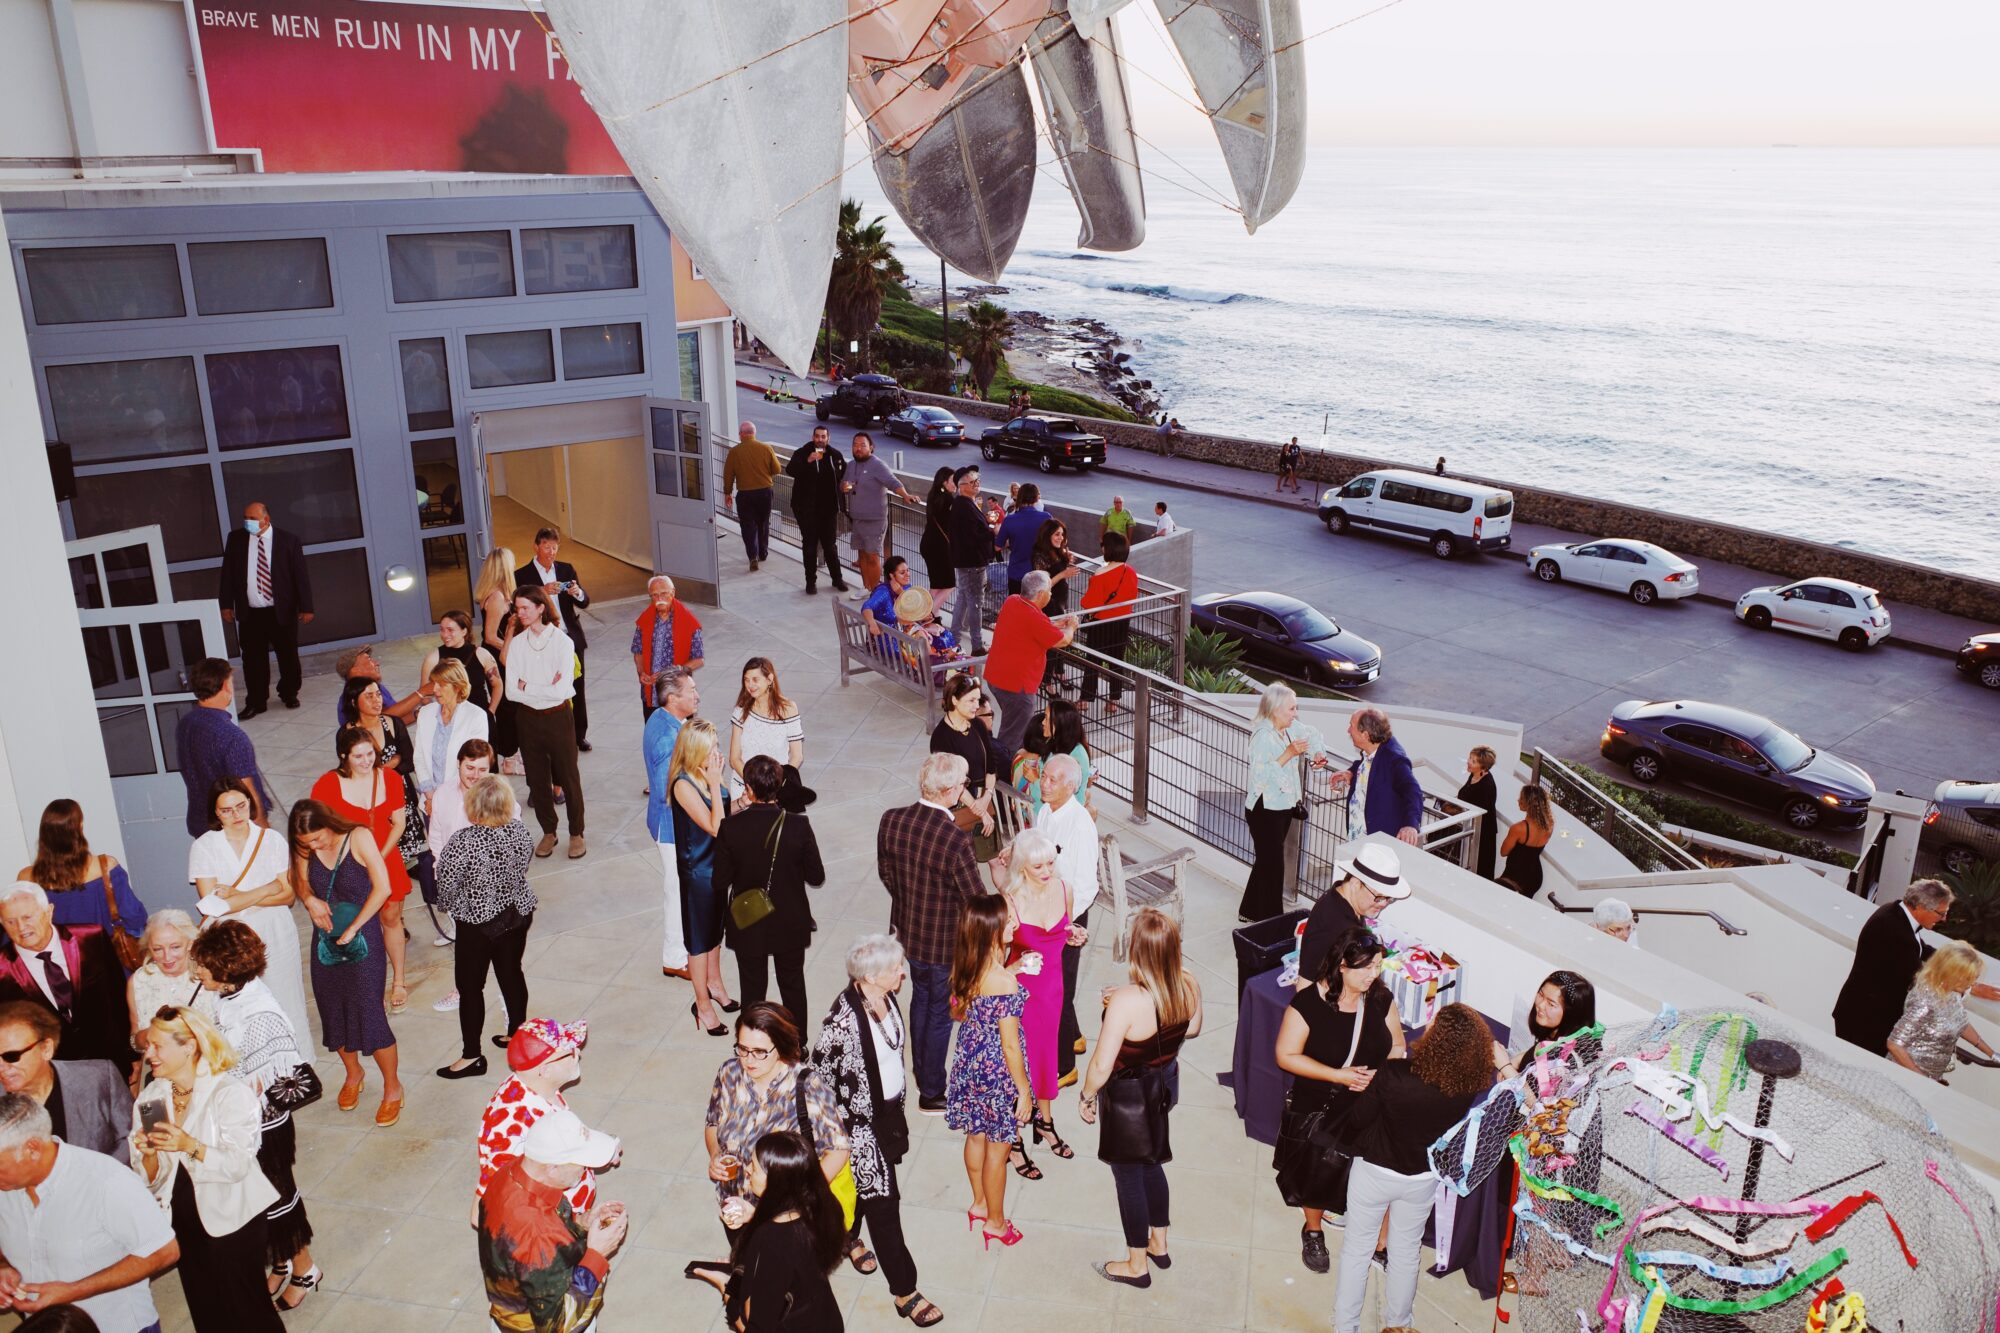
(1135, 885)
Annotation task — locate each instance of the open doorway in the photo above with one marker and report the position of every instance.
(588, 493)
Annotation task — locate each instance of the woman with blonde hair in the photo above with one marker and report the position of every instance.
(1280, 748)
(166, 977)
(1136, 1058)
(195, 1133)
(494, 594)
(1926, 1037)
(1040, 904)
(694, 777)
(483, 884)
(1525, 841)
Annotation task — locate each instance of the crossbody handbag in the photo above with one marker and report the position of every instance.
(1312, 1144)
(842, 1183)
(749, 906)
(131, 953)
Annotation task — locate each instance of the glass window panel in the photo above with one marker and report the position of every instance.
(578, 259)
(237, 277)
(180, 499)
(289, 395)
(525, 356)
(691, 433)
(426, 384)
(665, 424)
(111, 411)
(128, 741)
(194, 585)
(97, 283)
(596, 350)
(343, 596)
(114, 667)
(171, 647)
(84, 583)
(449, 574)
(451, 266)
(129, 571)
(311, 495)
(168, 717)
(691, 478)
(666, 474)
(690, 353)
(439, 502)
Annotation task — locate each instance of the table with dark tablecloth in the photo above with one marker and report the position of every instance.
(1480, 1226)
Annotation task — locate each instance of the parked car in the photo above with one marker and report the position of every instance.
(1642, 571)
(1288, 635)
(926, 425)
(1962, 825)
(1980, 659)
(1052, 442)
(861, 399)
(1848, 613)
(1448, 515)
(1739, 755)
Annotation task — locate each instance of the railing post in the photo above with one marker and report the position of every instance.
(1142, 742)
(1180, 637)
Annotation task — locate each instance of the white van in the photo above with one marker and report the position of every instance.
(1448, 515)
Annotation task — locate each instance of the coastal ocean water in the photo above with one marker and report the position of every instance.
(1804, 341)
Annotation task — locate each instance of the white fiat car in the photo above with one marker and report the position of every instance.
(1848, 613)
(1640, 570)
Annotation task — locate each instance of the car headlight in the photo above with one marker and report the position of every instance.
(1831, 799)
(1339, 664)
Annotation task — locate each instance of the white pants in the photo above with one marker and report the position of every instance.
(1371, 1192)
(673, 946)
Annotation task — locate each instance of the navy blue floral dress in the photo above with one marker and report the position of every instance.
(979, 1097)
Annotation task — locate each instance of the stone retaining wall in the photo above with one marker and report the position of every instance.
(1788, 557)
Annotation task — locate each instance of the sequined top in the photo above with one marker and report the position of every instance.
(1928, 1030)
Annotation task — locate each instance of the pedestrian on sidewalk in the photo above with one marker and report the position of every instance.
(971, 553)
(870, 482)
(752, 467)
(816, 472)
(935, 548)
(1288, 464)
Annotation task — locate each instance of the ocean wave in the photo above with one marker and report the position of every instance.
(1161, 291)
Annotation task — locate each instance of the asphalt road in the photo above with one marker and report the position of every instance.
(1480, 635)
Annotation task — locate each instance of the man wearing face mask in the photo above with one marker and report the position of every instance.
(266, 593)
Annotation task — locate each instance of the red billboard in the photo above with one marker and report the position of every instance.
(349, 85)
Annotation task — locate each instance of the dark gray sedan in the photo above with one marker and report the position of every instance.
(926, 425)
(1288, 635)
(1739, 755)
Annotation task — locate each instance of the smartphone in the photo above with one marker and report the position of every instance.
(152, 1114)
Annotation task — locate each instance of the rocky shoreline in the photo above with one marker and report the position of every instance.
(1083, 355)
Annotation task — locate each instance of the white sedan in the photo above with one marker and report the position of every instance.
(1848, 613)
(1640, 570)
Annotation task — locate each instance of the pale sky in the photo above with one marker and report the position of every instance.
(1616, 72)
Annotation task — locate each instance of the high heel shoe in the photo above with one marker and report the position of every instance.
(717, 1031)
(1011, 1236)
(307, 1282)
(1025, 1168)
(1046, 1130)
(726, 1006)
(972, 1219)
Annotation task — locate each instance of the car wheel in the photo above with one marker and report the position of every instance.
(988, 450)
(1644, 593)
(1548, 571)
(1853, 640)
(822, 411)
(1958, 858)
(1801, 812)
(1645, 766)
(1758, 617)
(1989, 675)
(1337, 521)
(1443, 545)
(1045, 462)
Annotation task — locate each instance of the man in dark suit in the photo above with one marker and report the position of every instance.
(71, 971)
(88, 1101)
(1390, 799)
(816, 470)
(926, 863)
(1886, 958)
(557, 578)
(264, 590)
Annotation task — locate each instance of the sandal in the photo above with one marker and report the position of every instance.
(306, 1283)
(918, 1311)
(275, 1282)
(1056, 1145)
(399, 998)
(1025, 1168)
(861, 1257)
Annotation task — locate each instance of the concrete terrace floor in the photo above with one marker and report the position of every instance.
(390, 1206)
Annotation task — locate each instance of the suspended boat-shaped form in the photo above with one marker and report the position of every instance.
(1090, 15)
(1089, 114)
(729, 115)
(1249, 69)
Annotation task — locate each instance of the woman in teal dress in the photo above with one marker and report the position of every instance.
(700, 802)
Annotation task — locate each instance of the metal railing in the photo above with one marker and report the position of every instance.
(1630, 836)
(1722, 923)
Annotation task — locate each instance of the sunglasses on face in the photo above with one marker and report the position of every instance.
(14, 1057)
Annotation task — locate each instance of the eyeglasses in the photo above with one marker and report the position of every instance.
(755, 1052)
(14, 1057)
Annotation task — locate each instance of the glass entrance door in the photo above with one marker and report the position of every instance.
(683, 498)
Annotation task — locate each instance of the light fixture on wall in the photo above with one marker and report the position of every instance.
(399, 578)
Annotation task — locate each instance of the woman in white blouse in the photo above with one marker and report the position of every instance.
(195, 1133)
(765, 722)
(1280, 747)
(443, 727)
(167, 976)
(243, 872)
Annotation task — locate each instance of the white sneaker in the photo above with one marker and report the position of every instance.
(447, 1004)
(858, 595)
(441, 941)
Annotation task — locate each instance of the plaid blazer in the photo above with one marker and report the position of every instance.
(927, 865)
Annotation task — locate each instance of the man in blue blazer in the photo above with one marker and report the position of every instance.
(1384, 780)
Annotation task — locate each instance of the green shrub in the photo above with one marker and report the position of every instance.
(893, 348)
(1048, 398)
(1975, 915)
(1150, 655)
(1665, 807)
(1206, 680)
(1211, 650)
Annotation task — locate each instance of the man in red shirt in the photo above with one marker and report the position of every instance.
(1022, 637)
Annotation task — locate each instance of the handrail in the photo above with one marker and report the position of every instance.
(1722, 923)
(1633, 838)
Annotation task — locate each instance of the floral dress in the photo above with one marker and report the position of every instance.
(980, 1095)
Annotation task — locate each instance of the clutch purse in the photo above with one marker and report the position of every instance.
(331, 954)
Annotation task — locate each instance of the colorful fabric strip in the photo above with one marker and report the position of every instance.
(1830, 1222)
(1747, 1277)
(1675, 1134)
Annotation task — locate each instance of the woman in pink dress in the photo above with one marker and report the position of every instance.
(1040, 904)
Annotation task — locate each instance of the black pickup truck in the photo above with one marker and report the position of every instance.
(861, 399)
(1052, 442)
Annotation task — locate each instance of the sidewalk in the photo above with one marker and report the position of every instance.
(1915, 628)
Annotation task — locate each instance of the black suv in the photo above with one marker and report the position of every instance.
(1739, 755)
(861, 399)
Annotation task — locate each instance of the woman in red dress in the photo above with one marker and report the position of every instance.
(372, 796)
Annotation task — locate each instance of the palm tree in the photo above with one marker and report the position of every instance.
(864, 265)
(987, 329)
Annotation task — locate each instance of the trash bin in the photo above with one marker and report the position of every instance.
(1262, 945)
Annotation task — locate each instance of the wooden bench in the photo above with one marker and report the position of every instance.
(892, 654)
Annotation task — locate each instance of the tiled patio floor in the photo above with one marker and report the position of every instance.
(390, 1206)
